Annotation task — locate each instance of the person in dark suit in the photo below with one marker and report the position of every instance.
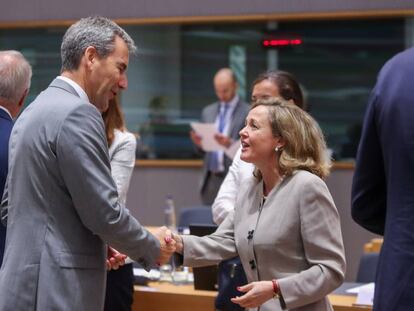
(228, 114)
(383, 184)
(15, 73)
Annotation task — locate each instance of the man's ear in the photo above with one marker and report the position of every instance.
(90, 56)
(22, 98)
(16, 109)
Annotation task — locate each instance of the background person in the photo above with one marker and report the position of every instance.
(228, 114)
(383, 184)
(285, 224)
(62, 202)
(15, 73)
(268, 84)
(122, 147)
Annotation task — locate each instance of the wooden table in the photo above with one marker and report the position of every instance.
(167, 297)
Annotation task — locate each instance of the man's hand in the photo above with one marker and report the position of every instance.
(114, 259)
(167, 244)
(223, 140)
(195, 138)
(256, 293)
(179, 245)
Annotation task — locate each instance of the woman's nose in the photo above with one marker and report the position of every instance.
(242, 132)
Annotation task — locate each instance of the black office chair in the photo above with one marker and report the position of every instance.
(195, 215)
(367, 268)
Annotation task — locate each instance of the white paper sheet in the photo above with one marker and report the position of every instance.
(366, 295)
(207, 132)
(355, 290)
(153, 274)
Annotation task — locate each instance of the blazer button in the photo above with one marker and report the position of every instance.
(252, 264)
(250, 234)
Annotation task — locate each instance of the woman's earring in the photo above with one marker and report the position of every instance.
(277, 148)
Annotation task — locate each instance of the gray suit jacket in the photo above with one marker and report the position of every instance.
(297, 240)
(209, 115)
(63, 205)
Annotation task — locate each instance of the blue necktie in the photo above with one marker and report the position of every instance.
(213, 164)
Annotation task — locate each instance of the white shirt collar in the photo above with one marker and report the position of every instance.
(82, 94)
(232, 103)
(8, 112)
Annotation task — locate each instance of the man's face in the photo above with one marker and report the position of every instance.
(108, 75)
(265, 89)
(225, 88)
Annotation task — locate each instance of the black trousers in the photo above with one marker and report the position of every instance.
(119, 289)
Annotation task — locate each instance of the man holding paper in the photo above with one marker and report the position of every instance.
(227, 115)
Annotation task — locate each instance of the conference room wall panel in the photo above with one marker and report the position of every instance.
(47, 10)
(170, 80)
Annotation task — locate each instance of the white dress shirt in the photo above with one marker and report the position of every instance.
(226, 197)
(227, 121)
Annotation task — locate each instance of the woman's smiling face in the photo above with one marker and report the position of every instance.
(258, 142)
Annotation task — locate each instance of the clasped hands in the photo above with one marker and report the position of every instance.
(170, 242)
(168, 245)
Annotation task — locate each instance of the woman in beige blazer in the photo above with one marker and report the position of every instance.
(285, 228)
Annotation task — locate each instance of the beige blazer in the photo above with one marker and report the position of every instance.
(296, 239)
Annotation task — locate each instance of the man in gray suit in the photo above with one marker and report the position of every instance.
(62, 201)
(15, 73)
(229, 115)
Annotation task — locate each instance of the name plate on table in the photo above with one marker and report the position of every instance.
(365, 294)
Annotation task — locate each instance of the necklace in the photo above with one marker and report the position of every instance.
(264, 197)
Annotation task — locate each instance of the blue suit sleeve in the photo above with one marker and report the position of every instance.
(369, 183)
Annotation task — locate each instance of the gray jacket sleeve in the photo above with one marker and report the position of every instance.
(211, 249)
(82, 154)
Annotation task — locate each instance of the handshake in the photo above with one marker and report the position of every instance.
(170, 243)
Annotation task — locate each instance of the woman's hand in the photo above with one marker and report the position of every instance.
(256, 293)
(178, 243)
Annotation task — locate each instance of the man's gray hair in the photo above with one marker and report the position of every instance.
(96, 31)
(15, 75)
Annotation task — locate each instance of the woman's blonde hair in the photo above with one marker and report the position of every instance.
(113, 119)
(304, 144)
